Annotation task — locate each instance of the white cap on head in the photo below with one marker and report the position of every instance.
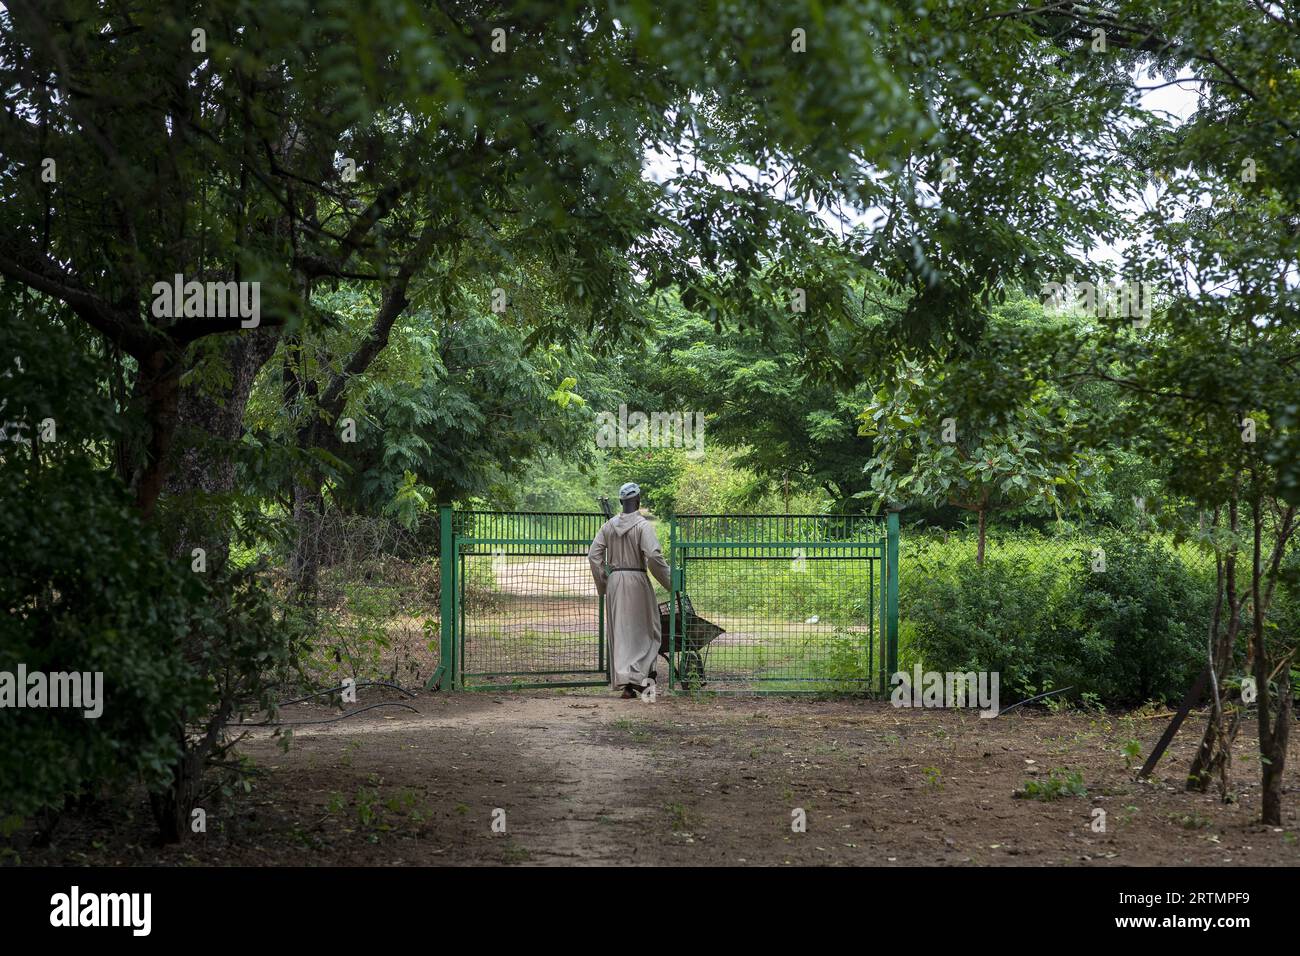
(629, 490)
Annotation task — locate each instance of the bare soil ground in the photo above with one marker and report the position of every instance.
(583, 778)
(569, 575)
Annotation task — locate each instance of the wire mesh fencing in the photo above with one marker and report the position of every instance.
(777, 603)
(525, 606)
(368, 589)
(781, 603)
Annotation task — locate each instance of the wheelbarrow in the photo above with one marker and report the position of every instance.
(694, 635)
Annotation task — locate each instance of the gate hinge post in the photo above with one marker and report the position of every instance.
(891, 593)
(447, 597)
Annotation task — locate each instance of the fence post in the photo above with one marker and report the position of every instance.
(673, 590)
(601, 661)
(881, 611)
(891, 611)
(447, 596)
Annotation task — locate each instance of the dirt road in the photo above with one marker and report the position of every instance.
(583, 778)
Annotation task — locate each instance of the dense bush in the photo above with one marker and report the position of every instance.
(1038, 613)
(87, 587)
(1144, 622)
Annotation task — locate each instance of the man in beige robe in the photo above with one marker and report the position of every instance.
(622, 549)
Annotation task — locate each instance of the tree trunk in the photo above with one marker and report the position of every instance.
(1213, 760)
(1214, 755)
(172, 807)
(1274, 732)
(300, 397)
(979, 547)
(308, 520)
(158, 383)
(1274, 728)
(207, 426)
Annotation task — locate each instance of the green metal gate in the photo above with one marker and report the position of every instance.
(805, 603)
(518, 604)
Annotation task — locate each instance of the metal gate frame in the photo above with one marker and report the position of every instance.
(887, 544)
(454, 546)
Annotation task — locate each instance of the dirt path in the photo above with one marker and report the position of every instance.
(555, 576)
(584, 778)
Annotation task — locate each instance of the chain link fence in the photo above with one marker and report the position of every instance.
(781, 603)
(1118, 616)
(368, 589)
(525, 604)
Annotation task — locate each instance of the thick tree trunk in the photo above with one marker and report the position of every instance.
(206, 425)
(158, 384)
(1274, 732)
(203, 426)
(172, 807)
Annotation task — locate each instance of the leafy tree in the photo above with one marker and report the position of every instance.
(785, 421)
(89, 588)
(449, 411)
(1221, 242)
(981, 435)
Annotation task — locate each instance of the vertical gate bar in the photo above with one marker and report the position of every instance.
(674, 561)
(882, 612)
(605, 662)
(460, 616)
(446, 596)
(871, 617)
(892, 614)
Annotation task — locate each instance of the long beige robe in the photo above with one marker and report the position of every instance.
(631, 611)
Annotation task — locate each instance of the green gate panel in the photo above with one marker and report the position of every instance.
(783, 603)
(760, 603)
(527, 612)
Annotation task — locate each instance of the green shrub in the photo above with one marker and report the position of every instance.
(1038, 614)
(1006, 616)
(1144, 622)
(88, 587)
